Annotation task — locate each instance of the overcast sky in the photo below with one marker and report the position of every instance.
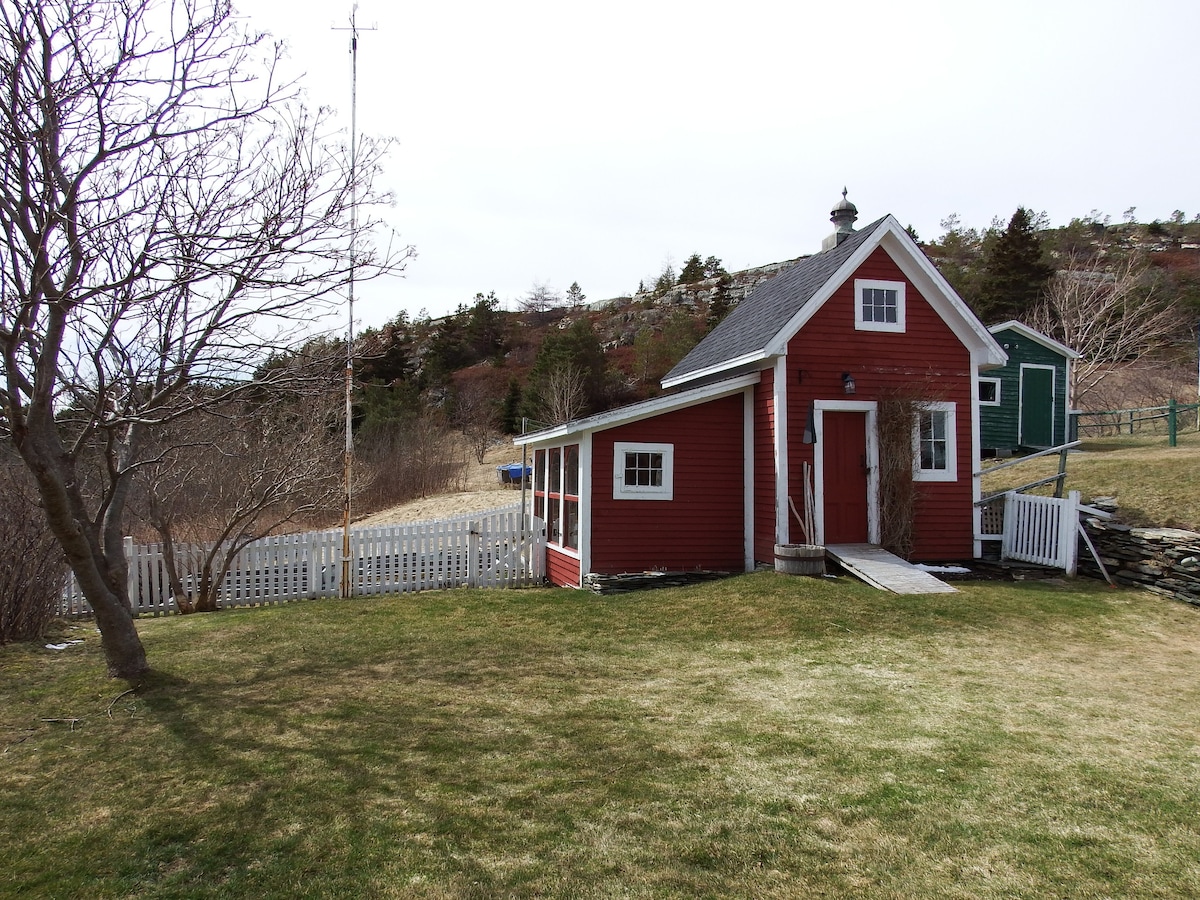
(551, 142)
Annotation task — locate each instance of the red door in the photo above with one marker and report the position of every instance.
(844, 457)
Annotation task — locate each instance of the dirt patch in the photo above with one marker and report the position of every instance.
(481, 490)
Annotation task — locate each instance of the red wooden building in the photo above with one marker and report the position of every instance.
(808, 368)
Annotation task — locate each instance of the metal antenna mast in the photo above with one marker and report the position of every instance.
(347, 585)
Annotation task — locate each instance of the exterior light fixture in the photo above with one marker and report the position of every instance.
(847, 382)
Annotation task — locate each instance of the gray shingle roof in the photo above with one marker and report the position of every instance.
(752, 324)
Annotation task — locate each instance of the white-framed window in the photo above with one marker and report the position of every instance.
(935, 454)
(643, 471)
(989, 391)
(556, 493)
(878, 305)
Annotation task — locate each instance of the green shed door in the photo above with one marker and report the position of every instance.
(1037, 406)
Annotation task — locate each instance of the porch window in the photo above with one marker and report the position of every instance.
(936, 448)
(556, 493)
(879, 305)
(643, 471)
(539, 484)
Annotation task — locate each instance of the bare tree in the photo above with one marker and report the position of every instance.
(1112, 317)
(230, 476)
(564, 394)
(539, 305)
(477, 413)
(423, 458)
(170, 213)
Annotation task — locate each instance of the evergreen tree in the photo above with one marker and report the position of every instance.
(693, 270)
(1016, 272)
(719, 305)
(665, 281)
(958, 254)
(575, 295)
(510, 414)
(577, 349)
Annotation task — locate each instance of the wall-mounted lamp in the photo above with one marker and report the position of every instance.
(799, 376)
(847, 383)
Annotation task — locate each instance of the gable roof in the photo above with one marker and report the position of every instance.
(760, 326)
(635, 412)
(1036, 336)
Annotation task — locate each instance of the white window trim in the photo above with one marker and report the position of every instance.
(621, 491)
(950, 473)
(861, 284)
(996, 382)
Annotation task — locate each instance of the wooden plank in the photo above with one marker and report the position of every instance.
(886, 571)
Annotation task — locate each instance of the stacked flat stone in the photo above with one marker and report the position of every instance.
(1163, 560)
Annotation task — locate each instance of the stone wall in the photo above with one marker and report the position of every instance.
(1163, 560)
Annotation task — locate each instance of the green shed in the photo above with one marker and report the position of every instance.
(1025, 405)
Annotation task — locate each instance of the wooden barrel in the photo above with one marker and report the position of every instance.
(800, 559)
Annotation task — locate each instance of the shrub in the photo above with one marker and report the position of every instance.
(32, 568)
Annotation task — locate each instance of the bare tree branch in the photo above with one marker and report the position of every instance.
(1112, 317)
(171, 215)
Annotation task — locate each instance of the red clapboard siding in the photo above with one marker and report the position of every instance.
(764, 468)
(702, 526)
(562, 569)
(927, 360)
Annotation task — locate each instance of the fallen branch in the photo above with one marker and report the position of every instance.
(71, 722)
(118, 697)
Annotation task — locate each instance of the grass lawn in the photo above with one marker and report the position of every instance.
(1154, 484)
(764, 736)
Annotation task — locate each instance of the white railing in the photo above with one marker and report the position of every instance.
(1042, 530)
(488, 549)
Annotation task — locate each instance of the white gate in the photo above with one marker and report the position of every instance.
(1042, 530)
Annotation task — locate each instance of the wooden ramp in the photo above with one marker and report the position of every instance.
(886, 571)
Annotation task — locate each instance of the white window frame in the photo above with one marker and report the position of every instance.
(950, 473)
(996, 382)
(863, 284)
(622, 491)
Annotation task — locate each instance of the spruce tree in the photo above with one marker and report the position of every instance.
(1015, 272)
(693, 270)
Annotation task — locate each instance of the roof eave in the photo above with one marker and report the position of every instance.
(709, 371)
(1036, 336)
(637, 411)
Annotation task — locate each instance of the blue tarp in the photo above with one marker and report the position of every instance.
(512, 472)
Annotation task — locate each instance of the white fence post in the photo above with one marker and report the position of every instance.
(478, 550)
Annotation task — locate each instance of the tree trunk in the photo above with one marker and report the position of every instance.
(58, 486)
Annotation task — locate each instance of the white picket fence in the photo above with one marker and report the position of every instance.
(1042, 530)
(489, 549)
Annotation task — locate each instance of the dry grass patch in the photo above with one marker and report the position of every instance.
(1155, 485)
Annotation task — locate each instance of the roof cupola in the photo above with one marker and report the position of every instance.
(843, 216)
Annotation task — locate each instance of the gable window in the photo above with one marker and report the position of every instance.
(556, 494)
(879, 305)
(936, 450)
(989, 391)
(643, 471)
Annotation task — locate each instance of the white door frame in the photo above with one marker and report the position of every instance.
(871, 408)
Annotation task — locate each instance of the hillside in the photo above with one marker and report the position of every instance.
(478, 490)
